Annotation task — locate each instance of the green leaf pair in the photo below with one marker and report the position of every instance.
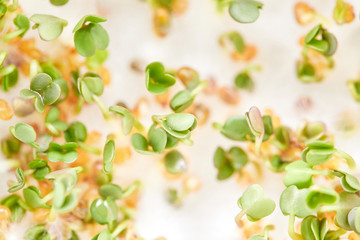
(90, 85)
(43, 89)
(37, 232)
(235, 39)
(8, 74)
(157, 80)
(175, 162)
(157, 140)
(245, 11)
(20, 177)
(354, 88)
(90, 35)
(265, 236)
(41, 168)
(16, 206)
(237, 128)
(50, 27)
(65, 197)
(33, 199)
(282, 138)
(321, 40)
(24, 133)
(311, 131)
(183, 99)
(348, 181)
(23, 25)
(10, 146)
(254, 204)
(52, 122)
(65, 153)
(227, 162)
(128, 119)
(108, 156)
(104, 211)
(314, 229)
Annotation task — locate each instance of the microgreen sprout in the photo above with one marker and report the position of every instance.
(50, 27)
(243, 11)
(23, 25)
(175, 162)
(243, 80)
(227, 162)
(343, 12)
(16, 206)
(90, 87)
(321, 40)
(20, 177)
(128, 119)
(354, 88)
(265, 236)
(62, 153)
(232, 41)
(77, 133)
(59, 2)
(37, 232)
(157, 80)
(52, 122)
(40, 168)
(254, 204)
(44, 90)
(256, 125)
(8, 74)
(24, 133)
(90, 35)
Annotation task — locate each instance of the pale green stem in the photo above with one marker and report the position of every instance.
(291, 228)
(29, 172)
(187, 141)
(130, 189)
(252, 68)
(139, 126)
(48, 197)
(198, 88)
(349, 160)
(324, 209)
(90, 149)
(52, 129)
(102, 107)
(79, 105)
(121, 227)
(217, 126)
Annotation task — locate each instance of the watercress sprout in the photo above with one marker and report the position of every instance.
(8, 74)
(321, 40)
(175, 162)
(24, 133)
(157, 80)
(254, 204)
(227, 162)
(40, 167)
(23, 25)
(52, 122)
(185, 98)
(43, 89)
(20, 177)
(265, 236)
(62, 153)
(245, 11)
(50, 27)
(128, 119)
(90, 35)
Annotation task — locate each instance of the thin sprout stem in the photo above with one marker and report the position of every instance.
(130, 189)
(119, 228)
(198, 88)
(29, 171)
(102, 107)
(324, 209)
(139, 126)
(291, 228)
(79, 104)
(48, 197)
(90, 149)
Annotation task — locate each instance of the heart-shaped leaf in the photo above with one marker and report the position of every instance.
(50, 27)
(293, 202)
(298, 173)
(157, 139)
(254, 204)
(157, 80)
(245, 11)
(348, 181)
(24, 133)
(128, 118)
(108, 156)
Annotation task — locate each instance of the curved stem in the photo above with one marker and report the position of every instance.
(349, 160)
(291, 228)
(79, 104)
(130, 189)
(102, 107)
(48, 197)
(119, 228)
(90, 149)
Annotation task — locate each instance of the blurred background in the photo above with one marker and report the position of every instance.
(193, 41)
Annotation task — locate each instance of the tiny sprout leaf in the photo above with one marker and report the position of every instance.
(348, 181)
(104, 211)
(245, 11)
(128, 118)
(292, 202)
(157, 80)
(111, 190)
(254, 204)
(108, 156)
(50, 27)
(20, 177)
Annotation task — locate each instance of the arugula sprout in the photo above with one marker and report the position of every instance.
(44, 90)
(62, 153)
(23, 25)
(90, 35)
(227, 162)
(50, 27)
(52, 122)
(157, 80)
(24, 133)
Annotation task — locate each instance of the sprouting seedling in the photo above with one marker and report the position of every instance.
(90, 87)
(23, 25)
(343, 12)
(233, 40)
(311, 131)
(256, 126)
(64, 196)
(319, 152)
(24, 133)
(321, 40)
(20, 177)
(227, 162)
(77, 133)
(348, 181)
(16, 206)
(62, 153)
(354, 88)
(157, 80)
(90, 35)
(50, 27)
(265, 236)
(243, 11)
(254, 204)
(185, 98)
(40, 168)
(128, 119)
(157, 139)
(237, 128)
(10, 146)
(33, 198)
(37, 232)
(52, 122)
(243, 80)
(282, 138)
(108, 155)
(175, 162)
(9, 73)
(59, 2)
(313, 228)
(43, 89)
